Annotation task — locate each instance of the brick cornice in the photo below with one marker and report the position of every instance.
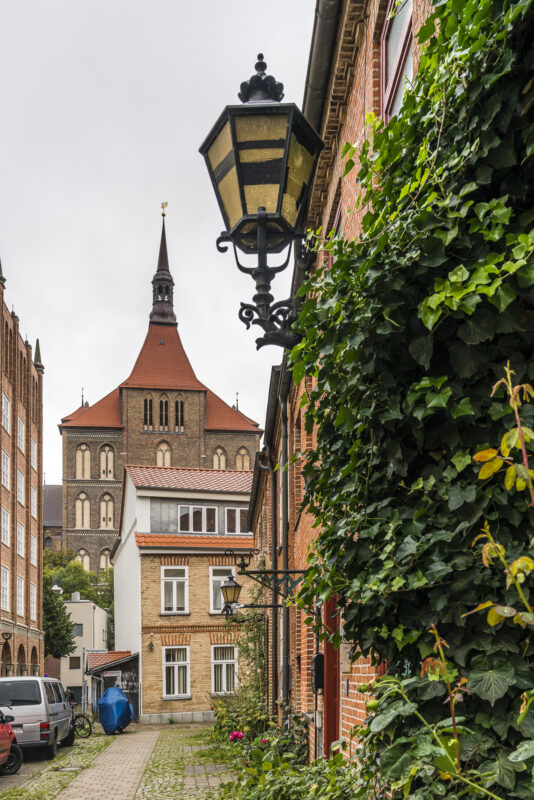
(183, 628)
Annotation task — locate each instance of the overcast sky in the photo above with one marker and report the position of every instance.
(104, 104)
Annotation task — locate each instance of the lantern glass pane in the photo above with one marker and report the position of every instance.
(261, 142)
(299, 169)
(222, 162)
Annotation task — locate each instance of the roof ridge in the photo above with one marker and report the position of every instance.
(190, 469)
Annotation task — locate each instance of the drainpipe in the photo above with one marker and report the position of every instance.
(274, 565)
(284, 501)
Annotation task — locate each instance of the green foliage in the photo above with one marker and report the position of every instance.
(405, 335)
(57, 625)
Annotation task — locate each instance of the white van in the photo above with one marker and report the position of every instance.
(42, 714)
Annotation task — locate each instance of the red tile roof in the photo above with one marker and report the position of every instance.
(99, 659)
(192, 541)
(196, 480)
(162, 362)
(160, 366)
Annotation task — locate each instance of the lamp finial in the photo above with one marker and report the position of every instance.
(163, 207)
(261, 88)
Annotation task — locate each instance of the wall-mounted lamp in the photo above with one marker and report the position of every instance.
(6, 636)
(151, 642)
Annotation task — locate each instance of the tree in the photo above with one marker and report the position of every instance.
(57, 624)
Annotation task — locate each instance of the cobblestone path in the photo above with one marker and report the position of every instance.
(115, 774)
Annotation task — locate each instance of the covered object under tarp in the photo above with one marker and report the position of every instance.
(115, 711)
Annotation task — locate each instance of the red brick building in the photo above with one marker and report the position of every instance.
(21, 478)
(361, 55)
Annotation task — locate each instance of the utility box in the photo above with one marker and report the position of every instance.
(317, 671)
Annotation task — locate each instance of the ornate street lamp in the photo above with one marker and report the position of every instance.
(230, 590)
(261, 157)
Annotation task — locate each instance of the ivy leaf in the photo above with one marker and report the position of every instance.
(463, 409)
(509, 478)
(503, 297)
(420, 350)
(490, 468)
(523, 752)
(461, 460)
(492, 681)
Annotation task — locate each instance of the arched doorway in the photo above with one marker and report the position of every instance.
(34, 662)
(22, 667)
(6, 661)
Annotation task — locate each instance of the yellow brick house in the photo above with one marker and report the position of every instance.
(170, 560)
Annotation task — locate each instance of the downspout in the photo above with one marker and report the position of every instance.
(284, 502)
(274, 565)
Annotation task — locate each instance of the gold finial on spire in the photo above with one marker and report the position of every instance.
(163, 207)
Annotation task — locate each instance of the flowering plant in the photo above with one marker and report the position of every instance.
(236, 735)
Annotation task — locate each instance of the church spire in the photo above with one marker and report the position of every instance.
(163, 284)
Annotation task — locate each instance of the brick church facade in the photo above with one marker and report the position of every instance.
(161, 415)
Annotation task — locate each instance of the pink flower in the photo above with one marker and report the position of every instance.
(264, 741)
(236, 735)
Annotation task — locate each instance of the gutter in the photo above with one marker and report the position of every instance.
(327, 13)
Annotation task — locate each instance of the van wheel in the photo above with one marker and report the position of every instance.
(68, 741)
(51, 750)
(14, 761)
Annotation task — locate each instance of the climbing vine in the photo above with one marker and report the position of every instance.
(406, 334)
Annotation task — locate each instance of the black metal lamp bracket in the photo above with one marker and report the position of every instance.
(283, 582)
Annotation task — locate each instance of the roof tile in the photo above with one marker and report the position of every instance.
(106, 413)
(189, 540)
(207, 480)
(99, 659)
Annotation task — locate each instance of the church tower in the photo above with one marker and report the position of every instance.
(161, 415)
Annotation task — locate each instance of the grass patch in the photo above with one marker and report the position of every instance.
(214, 754)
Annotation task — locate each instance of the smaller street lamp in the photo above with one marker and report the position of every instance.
(261, 157)
(230, 590)
(57, 589)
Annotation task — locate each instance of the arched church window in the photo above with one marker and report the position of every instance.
(83, 557)
(179, 416)
(83, 511)
(105, 558)
(242, 459)
(219, 458)
(163, 455)
(106, 462)
(164, 414)
(48, 543)
(148, 413)
(106, 511)
(83, 461)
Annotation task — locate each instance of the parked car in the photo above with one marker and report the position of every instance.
(10, 752)
(42, 715)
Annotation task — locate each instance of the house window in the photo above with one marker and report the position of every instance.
(33, 602)
(5, 589)
(20, 434)
(176, 671)
(106, 511)
(217, 576)
(223, 669)
(20, 596)
(75, 662)
(83, 511)
(106, 462)
(33, 501)
(5, 526)
(20, 487)
(77, 629)
(6, 412)
(197, 519)
(174, 590)
(164, 414)
(396, 57)
(20, 539)
(33, 550)
(147, 414)
(83, 461)
(5, 469)
(219, 459)
(163, 455)
(33, 453)
(236, 520)
(83, 557)
(105, 558)
(179, 418)
(242, 459)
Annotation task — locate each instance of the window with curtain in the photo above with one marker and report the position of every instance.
(174, 590)
(176, 671)
(224, 669)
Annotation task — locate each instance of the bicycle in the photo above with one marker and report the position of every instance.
(81, 725)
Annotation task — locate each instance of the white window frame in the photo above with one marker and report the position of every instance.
(6, 413)
(185, 663)
(33, 453)
(234, 661)
(6, 469)
(20, 539)
(20, 487)
(4, 601)
(33, 602)
(6, 527)
(238, 511)
(20, 596)
(213, 610)
(20, 434)
(33, 501)
(33, 550)
(185, 580)
(204, 530)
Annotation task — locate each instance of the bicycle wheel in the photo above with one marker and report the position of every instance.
(82, 726)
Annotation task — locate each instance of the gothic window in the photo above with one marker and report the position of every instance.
(106, 462)
(164, 414)
(163, 455)
(219, 459)
(106, 511)
(148, 423)
(48, 544)
(179, 418)
(83, 557)
(83, 461)
(242, 459)
(83, 511)
(105, 560)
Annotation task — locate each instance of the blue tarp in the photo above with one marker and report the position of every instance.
(114, 709)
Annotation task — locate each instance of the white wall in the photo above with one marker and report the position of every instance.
(126, 573)
(95, 637)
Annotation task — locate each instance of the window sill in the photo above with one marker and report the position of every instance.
(177, 697)
(175, 613)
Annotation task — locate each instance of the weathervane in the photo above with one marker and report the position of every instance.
(163, 207)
